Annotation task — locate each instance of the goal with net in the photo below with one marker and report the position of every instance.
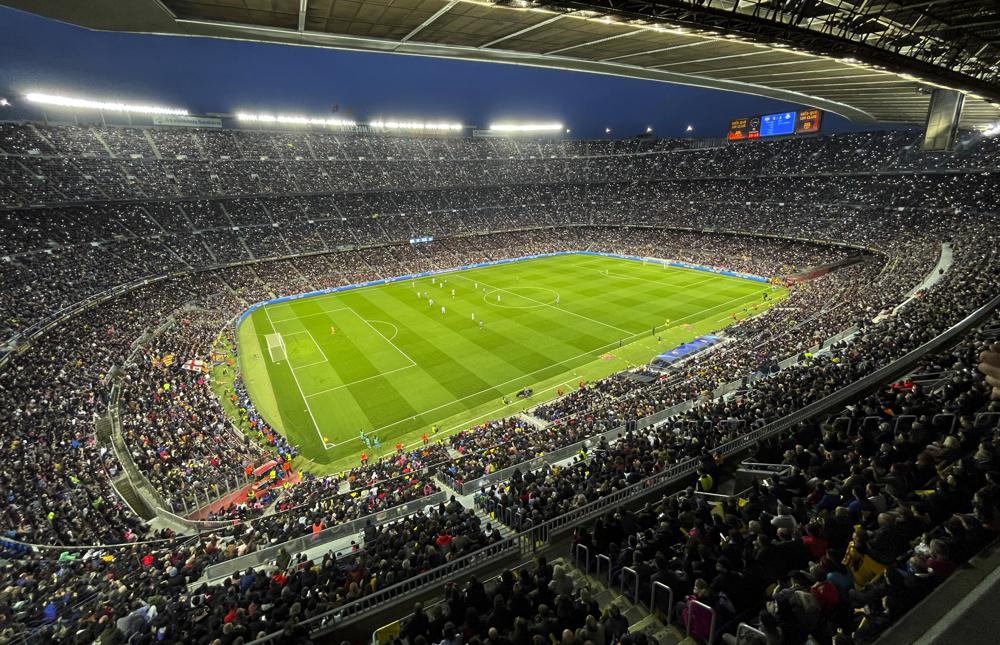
(276, 347)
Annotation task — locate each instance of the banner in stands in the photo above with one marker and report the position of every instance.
(425, 274)
(183, 121)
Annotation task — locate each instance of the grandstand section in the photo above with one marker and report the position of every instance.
(127, 390)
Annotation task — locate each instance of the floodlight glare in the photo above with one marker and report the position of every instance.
(4, 103)
(416, 125)
(104, 106)
(294, 120)
(526, 127)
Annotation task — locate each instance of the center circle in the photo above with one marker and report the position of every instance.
(536, 297)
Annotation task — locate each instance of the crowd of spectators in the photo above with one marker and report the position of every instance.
(534, 605)
(150, 592)
(879, 504)
(541, 495)
(542, 197)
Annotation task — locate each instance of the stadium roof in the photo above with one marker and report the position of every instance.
(868, 60)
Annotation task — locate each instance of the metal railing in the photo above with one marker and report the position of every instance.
(586, 559)
(670, 599)
(635, 589)
(691, 604)
(745, 635)
(597, 566)
(326, 536)
(557, 455)
(454, 569)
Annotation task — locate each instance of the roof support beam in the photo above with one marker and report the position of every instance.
(657, 51)
(440, 12)
(596, 42)
(820, 82)
(733, 69)
(777, 78)
(547, 21)
(706, 60)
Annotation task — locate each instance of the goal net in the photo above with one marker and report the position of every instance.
(276, 347)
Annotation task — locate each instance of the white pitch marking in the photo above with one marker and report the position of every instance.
(291, 368)
(546, 304)
(361, 380)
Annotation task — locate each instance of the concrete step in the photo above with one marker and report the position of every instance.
(604, 598)
(486, 519)
(654, 628)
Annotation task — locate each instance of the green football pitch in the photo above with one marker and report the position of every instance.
(384, 360)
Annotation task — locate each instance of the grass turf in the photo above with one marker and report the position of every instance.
(396, 365)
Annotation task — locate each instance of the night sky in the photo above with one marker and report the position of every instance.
(205, 75)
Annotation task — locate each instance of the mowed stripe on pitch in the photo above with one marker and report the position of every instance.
(460, 368)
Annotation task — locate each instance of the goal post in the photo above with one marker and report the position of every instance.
(276, 347)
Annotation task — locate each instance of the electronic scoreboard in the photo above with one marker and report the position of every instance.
(775, 125)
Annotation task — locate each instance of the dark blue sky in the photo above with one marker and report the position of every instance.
(205, 75)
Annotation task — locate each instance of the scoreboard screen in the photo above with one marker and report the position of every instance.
(775, 125)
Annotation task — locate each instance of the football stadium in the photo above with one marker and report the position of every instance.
(573, 323)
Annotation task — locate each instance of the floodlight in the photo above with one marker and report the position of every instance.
(294, 119)
(526, 127)
(104, 106)
(415, 125)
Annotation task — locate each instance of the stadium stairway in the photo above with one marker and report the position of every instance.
(640, 618)
(505, 532)
(534, 421)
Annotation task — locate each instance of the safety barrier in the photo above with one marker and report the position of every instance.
(670, 599)
(557, 455)
(326, 536)
(439, 575)
(747, 635)
(690, 614)
(586, 559)
(598, 560)
(995, 416)
(635, 589)
(760, 467)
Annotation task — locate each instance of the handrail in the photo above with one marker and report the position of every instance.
(313, 540)
(762, 467)
(576, 556)
(670, 599)
(602, 558)
(621, 584)
(743, 628)
(443, 573)
(690, 613)
(988, 415)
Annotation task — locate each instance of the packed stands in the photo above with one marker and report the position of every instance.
(123, 246)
